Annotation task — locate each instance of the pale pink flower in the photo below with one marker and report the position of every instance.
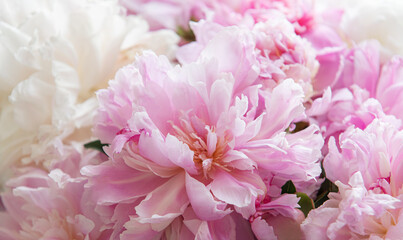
(335, 111)
(376, 151)
(362, 66)
(356, 213)
(225, 12)
(172, 14)
(198, 135)
(278, 52)
(51, 205)
(367, 168)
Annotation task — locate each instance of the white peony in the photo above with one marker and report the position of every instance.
(362, 20)
(54, 54)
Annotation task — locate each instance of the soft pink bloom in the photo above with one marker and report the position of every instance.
(376, 151)
(198, 135)
(341, 67)
(283, 54)
(172, 14)
(335, 111)
(51, 205)
(356, 213)
(278, 51)
(226, 12)
(367, 168)
(362, 66)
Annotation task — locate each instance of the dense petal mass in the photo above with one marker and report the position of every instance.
(199, 140)
(369, 202)
(355, 212)
(372, 151)
(256, 119)
(272, 47)
(53, 204)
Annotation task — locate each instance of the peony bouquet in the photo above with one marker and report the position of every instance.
(201, 119)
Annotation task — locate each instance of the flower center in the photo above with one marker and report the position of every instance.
(208, 148)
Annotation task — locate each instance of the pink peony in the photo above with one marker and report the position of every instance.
(367, 169)
(277, 51)
(198, 138)
(51, 205)
(172, 14)
(226, 12)
(335, 111)
(356, 213)
(375, 151)
(362, 66)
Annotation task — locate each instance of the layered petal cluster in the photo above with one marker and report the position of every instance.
(376, 87)
(356, 213)
(279, 52)
(346, 58)
(55, 54)
(52, 205)
(172, 14)
(274, 119)
(198, 138)
(375, 151)
(335, 111)
(369, 203)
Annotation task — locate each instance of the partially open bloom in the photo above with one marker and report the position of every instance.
(200, 134)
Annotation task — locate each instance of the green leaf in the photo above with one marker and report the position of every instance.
(97, 145)
(305, 203)
(186, 34)
(324, 190)
(288, 187)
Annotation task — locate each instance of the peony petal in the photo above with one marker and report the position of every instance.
(203, 203)
(164, 204)
(113, 184)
